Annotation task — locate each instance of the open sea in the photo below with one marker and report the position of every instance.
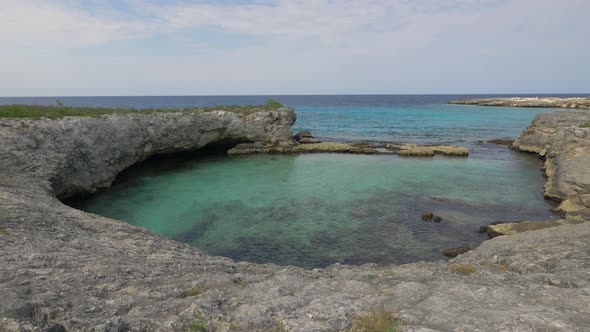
(319, 209)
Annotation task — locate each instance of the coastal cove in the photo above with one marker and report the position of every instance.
(314, 210)
(86, 271)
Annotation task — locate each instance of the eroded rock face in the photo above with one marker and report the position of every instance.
(62, 268)
(80, 154)
(563, 139)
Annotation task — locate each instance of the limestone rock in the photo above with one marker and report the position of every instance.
(524, 226)
(546, 102)
(323, 147)
(61, 268)
(427, 215)
(454, 252)
(414, 150)
(308, 140)
(567, 156)
(305, 137)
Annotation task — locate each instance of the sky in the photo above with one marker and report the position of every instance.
(239, 47)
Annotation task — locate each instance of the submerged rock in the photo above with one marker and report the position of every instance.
(437, 219)
(427, 216)
(454, 252)
(501, 141)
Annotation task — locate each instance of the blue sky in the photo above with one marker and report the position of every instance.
(174, 47)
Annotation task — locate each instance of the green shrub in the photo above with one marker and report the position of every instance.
(198, 325)
(59, 110)
(272, 105)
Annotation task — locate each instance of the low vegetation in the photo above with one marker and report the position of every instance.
(60, 110)
(4, 232)
(465, 269)
(376, 321)
(194, 291)
(585, 125)
(198, 325)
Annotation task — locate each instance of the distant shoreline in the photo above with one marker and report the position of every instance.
(541, 102)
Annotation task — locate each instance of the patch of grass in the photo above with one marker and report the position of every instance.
(197, 325)
(6, 233)
(465, 269)
(585, 125)
(194, 291)
(376, 321)
(500, 267)
(272, 105)
(59, 110)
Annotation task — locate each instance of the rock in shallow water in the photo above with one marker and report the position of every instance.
(454, 252)
(525, 226)
(414, 150)
(427, 216)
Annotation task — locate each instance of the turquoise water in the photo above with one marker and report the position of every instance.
(316, 210)
(416, 123)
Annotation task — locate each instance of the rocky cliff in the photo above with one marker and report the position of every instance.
(81, 154)
(563, 139)
(63, 269)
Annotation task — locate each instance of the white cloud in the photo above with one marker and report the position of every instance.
(321, 46)
(30, 23)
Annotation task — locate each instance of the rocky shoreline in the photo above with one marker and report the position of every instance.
(304, 142)
(64, 269)
(543, 102)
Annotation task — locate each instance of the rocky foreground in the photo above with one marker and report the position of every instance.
(547, 102)
(64, 269)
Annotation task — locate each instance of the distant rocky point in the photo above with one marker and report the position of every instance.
(544, 102)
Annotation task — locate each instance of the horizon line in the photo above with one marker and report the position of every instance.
(581, 94)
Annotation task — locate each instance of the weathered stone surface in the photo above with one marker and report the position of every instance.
(308, 140)
(64, 268)
(326, 147)
(549, 102)
(567, 155)
(427, 215)
(454, 252)
(305, 137)
(501, 141)
(414, 150)
(81, 154)
(303, 134)
(525, 226)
